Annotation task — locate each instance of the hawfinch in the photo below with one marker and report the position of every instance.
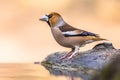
(67, 35)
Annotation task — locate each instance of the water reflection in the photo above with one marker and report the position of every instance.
(71, 74)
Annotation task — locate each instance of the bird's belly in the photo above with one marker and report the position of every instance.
(69, 42)
(63, 41)
(72, 42)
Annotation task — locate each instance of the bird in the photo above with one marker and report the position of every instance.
(67, 35)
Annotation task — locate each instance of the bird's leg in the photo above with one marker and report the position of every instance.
(76, 50)
(67, 54)
(71, 53)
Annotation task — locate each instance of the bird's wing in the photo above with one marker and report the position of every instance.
(78, 33)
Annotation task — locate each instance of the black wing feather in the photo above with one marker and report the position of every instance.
(84, 33)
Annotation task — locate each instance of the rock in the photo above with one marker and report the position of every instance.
(110, 72)
(84, 64)
(104, 46)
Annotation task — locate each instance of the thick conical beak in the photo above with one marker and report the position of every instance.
(44, 18)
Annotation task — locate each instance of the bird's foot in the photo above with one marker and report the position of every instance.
(67, 56)
(72, 54)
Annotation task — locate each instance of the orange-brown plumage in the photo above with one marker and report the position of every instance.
(54, 18)
(68, 36)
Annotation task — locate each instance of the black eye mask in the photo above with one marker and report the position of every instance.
(50, 15)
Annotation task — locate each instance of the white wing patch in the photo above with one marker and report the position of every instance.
(69, 33)
(78, 33)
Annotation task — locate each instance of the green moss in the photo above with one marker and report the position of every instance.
(117, 76)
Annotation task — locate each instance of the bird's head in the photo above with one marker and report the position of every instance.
(53, 19)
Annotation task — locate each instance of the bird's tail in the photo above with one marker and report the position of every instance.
(90, 39)
(95, 38)
(99, 39)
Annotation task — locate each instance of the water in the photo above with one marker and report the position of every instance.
(29, 71)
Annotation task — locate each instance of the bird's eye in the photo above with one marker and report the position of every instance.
(50, 15)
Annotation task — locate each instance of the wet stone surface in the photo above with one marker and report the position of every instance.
(83, 64)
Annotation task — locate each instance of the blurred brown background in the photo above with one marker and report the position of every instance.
(23, 38)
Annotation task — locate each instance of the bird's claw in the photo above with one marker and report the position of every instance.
(66, 56)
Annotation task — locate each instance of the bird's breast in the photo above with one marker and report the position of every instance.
(60, 38)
